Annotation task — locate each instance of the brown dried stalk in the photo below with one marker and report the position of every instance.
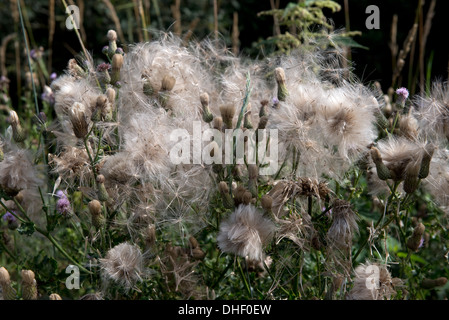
(404, 53)
(276, 27)
(176, 12)
(116, 20)
(5, 42)
(51, 31)
(137, 6)
(235, 34)
(216, 20)
(189, 32)
(422, 44)
(393, 40)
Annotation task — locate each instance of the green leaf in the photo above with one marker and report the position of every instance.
(347, 42)
(289, 8)
(27, 228)
(413, 257)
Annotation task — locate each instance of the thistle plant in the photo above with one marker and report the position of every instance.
(347, 195)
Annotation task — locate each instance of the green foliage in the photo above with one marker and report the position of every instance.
(305, 24)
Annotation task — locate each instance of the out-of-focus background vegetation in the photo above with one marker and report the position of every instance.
(238, 23)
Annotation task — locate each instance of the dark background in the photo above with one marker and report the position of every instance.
(374, 64)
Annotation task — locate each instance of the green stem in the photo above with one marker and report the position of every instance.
(245, 281)
(222, 274)
(10, 211)
(47, 235)
(64, 253)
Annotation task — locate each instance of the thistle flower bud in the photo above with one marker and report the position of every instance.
(323, 190)
(148, 89)
(198, 254)
(263, 108)
(111, 94)
(402, 96)
(117, 63)
(237, 172)
(9, 293)
(253, 173)
(103, 73)
(102, 192)
(262, 123)
(207, 114)
(112, 35)
(267, 203)
(75, 70)
(227, 113)
(247, 123)
(433, 283)
(63, 205)
(242, 195)
(150, 235)
(280, 79)
(382, 171)
(95, 211)
(218, 123)
(425, 162)
(55, 296)
(193, 242)
(18, 133)
(381, 120)
(168, 82)
(29, 285)
(112, 38)
(78, 120)
(411, 180)
(224, 190)
(100, 105)
(414, 242)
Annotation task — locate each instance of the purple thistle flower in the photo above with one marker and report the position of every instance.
(103, 67)
(63, 205)
(53, 76)
(402, 95)
(119, 51)
(4, 83)
(11, 220)
(33, 54)
(275, 101)
(402, 92)
(105, 50)
(48, 96)
(9, 217)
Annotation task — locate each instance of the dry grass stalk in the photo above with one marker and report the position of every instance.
(393, 40)
(400, 62)
(276, 28)
(5, 42)
(115, 19)
(235, 34)
(137, 6)
(51, 31)
(189, 32)
(216, 20)
(423, 41)
(176, 12)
